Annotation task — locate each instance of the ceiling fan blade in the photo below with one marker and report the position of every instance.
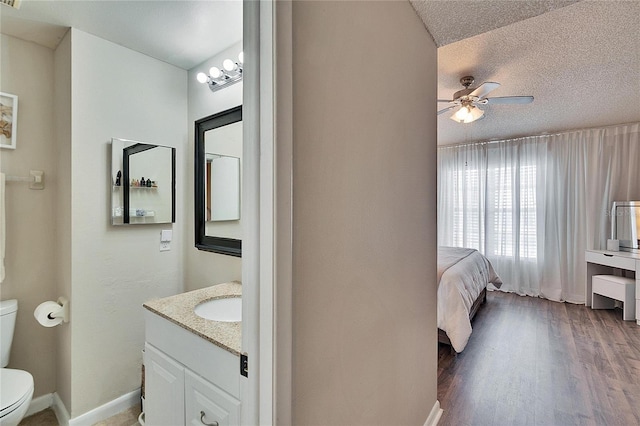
(484, 89)
(445, 100)
(510, 100)
(442, 111)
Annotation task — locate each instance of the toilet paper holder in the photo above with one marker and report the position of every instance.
(62, 313)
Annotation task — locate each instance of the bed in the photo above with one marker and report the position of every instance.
(463, 276)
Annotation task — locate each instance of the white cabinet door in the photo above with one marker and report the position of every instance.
(207, 404)
(164, 389)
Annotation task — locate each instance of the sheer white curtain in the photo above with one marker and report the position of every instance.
(533, 205)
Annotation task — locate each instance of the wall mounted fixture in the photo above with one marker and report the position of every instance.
(13, 3)
(35, 179)
(217, 78)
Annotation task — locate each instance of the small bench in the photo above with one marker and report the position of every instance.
(606, 289)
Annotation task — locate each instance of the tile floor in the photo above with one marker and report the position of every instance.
(48, 418)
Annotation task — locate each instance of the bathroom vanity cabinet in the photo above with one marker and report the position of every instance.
(177, 395)
(192, 374)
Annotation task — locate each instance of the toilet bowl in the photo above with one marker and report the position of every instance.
(16, 386)
(16, 390)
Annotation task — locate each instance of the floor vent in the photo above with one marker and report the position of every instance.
(13, 3)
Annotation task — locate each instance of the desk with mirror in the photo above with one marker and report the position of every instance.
(603, 262)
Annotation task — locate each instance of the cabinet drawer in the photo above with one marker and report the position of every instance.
(207, 404)
(195, 353)
(613, 261)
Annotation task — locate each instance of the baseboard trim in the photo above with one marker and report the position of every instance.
(434, 415)
(60, 410)
(107, 410)
(50, 400)
(39, 404)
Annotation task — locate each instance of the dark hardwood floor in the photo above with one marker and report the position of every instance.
(534, 362)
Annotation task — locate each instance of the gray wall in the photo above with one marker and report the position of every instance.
(364, 214)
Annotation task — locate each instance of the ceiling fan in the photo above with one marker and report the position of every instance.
(469, 98)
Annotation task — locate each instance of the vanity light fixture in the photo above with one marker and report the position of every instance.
(217, 78)
(12, 3)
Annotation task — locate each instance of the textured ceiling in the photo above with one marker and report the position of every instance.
(580, 62)
(453, 20)
(182, 33)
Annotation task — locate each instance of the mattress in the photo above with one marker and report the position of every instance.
(463, 274)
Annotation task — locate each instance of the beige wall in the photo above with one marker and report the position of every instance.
(63, 207)
(27, 71)
(364, 214)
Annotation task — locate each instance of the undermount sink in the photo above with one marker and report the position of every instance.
(226, 310)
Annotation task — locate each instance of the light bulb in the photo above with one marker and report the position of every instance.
(229, 65)
(241, 57)
(215, 72)
(202, 77)
(474, 114)
(462, 113)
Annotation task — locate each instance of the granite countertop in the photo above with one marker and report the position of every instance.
(179, 309)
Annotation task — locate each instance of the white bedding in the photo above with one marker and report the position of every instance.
(460, 284)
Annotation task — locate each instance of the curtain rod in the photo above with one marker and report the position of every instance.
(491, 141)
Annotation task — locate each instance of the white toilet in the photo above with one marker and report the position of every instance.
(16, 386)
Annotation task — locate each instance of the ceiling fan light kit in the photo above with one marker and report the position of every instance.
(468, 100)
(467, 114)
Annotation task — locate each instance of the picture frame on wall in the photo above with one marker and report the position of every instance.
(8, 120)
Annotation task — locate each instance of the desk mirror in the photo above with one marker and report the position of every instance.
(143, 183)
(218, 188)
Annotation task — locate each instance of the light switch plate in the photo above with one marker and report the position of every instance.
(166, 235)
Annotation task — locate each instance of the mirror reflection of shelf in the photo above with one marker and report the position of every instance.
(134, 213)
(136, 187)
(136, 219)
(142, 218)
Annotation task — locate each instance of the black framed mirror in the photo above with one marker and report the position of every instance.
(218, 186)
(143, 183)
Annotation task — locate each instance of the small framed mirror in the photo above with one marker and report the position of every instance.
(218, 186)
(143, 183)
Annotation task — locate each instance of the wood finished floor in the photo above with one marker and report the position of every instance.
(534, 362)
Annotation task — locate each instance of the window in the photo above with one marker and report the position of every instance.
(467, 213)
(508, 219)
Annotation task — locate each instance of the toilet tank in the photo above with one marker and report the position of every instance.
(8, 312)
